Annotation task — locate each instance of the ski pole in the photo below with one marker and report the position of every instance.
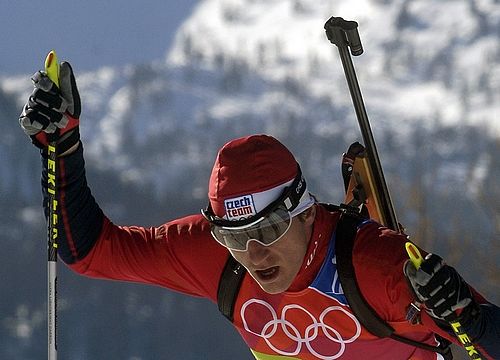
(345, 34)
(416, 259)
(52, 70)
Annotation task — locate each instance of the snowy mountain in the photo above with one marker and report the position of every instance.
(256, 65)
(430, 77)
(422, 55)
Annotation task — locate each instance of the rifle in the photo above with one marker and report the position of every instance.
(367, 186)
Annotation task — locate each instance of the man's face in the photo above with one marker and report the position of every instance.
(274, 267)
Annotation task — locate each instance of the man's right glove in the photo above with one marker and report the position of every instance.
(53, 113)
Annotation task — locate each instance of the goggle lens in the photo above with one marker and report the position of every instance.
(266, 230)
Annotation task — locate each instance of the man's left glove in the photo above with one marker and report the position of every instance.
(444, 293)
(53, 113)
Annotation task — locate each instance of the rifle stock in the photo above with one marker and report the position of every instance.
(362, 189)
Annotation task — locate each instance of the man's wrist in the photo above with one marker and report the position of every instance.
(70, 150)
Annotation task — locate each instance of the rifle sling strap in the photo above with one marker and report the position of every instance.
(229, 286)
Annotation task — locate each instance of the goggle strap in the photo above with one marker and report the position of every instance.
(296, 190)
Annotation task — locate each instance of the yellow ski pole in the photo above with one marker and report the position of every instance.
(52, 70)
(416, 259)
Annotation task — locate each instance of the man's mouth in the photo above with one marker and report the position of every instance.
(267, 275)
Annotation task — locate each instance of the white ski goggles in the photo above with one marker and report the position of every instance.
(266, 227)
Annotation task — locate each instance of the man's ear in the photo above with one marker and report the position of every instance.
(310, 215)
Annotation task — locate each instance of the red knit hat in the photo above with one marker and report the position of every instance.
(247, 167)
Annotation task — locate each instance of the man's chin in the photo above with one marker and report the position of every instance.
(272, 283)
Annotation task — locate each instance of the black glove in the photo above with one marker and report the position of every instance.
(444, 293)
(53, 113)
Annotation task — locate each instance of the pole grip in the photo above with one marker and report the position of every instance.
(417, 259)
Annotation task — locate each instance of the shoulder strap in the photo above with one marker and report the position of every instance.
(344, 244)
(229, 286)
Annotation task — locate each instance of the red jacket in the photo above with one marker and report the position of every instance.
(311, 322)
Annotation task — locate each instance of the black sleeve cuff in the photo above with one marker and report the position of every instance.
(484, 329)
(80, 217)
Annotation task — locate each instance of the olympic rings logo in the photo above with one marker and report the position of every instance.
(305, 338)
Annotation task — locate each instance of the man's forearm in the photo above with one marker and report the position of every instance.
(81, 218)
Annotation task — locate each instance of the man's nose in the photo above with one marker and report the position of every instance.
(257, 252)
